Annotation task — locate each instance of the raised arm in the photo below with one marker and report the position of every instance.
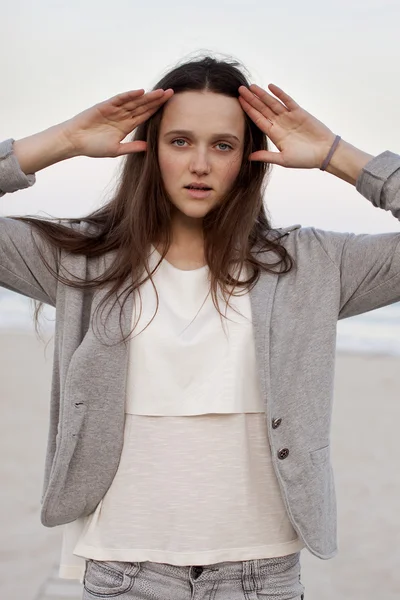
(368, 265)
(96, 132)
(43, 149)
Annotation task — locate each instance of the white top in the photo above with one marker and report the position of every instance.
(195, 483)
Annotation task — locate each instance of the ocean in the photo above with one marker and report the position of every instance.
(375, 332)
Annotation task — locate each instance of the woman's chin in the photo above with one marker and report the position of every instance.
(193, 209)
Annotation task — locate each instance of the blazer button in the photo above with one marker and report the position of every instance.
(283, 453)
(276, 423)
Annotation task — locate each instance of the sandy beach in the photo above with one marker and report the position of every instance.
(366, 453)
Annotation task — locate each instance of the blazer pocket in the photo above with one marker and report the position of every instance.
(320, 456)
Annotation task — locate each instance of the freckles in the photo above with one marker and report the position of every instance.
(229, 175)
(234, 165)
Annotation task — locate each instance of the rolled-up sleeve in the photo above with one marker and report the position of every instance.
(369, 264)
(12, 178)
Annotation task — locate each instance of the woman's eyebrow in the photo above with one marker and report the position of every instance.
(191, 134)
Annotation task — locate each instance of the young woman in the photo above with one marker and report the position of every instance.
(189, 449)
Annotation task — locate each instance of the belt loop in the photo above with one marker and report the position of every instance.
(251, 575)
(132, 568)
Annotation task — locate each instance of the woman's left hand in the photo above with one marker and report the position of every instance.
(303, 141)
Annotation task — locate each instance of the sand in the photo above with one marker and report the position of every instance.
(366, 453)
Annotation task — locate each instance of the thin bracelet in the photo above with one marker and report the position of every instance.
(331, 151)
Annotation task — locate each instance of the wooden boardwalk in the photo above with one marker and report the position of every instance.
(55, 588)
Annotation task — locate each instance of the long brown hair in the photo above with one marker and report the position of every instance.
(139, 212)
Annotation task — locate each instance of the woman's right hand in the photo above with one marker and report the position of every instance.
(98, 131)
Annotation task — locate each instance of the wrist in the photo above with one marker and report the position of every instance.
(347, 162)
(43, 149)
(65, 146)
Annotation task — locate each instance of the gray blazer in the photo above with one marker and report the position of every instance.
(338, 275)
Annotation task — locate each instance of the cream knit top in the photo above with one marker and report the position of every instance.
(195, 484)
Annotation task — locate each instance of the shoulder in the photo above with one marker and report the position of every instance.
(79, 225)
(299, 234)
(278, 233)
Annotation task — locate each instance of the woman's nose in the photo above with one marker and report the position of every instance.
(200, 163)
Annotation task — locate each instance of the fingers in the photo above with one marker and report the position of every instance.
(121, 99)
(279, 93)
(259, 98)
(132, 147)
(267, 99)
(255, 115)
(274, 158)
(156, 97)
(249, 101)
(143, 112)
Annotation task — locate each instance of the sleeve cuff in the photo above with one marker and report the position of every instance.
(12, 178)
(375, 174)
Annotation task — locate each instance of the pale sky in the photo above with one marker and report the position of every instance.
(339, 60)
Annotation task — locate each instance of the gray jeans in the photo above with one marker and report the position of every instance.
(260, 579)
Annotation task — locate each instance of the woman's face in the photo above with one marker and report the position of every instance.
(201, 140)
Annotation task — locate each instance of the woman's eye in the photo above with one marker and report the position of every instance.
(176, 142)
(179, 141)
(228, 147)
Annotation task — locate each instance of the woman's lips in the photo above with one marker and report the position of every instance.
(198, 194)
